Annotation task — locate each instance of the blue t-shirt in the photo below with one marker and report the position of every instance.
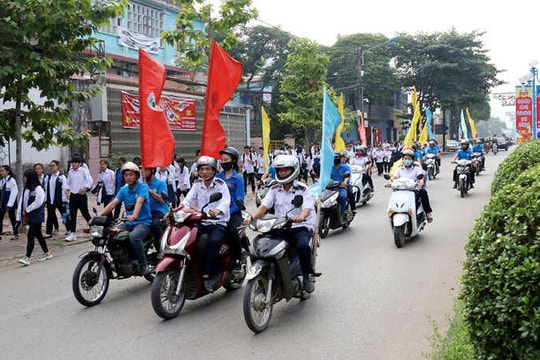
(236, 188)
(272, 171)
(433, 150)
(159, 187)
(337, 173)
(129, 198)
(464, 154)
(478, 148)
(419, 154)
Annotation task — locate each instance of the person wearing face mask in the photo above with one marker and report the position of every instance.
(235, 183)
(410, 170)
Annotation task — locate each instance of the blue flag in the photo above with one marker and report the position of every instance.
(330, 121)
(429, 118)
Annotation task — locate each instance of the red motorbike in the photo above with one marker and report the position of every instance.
(179, 273)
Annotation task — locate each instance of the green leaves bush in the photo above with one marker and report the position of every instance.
(525, 156)
(501, 280)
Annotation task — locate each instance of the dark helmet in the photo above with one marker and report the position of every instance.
(229, 150)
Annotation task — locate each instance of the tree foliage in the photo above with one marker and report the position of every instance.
(197, 24)
(301, 88)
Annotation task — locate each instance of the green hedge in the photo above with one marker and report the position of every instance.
(523, 157)
(501, 280)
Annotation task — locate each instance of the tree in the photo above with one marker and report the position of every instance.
(44, 44)
(301, 89)
(451, 71)
(197, 26)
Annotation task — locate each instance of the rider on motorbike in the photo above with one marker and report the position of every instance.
(410, 170)
(218, 212)
(363, 160)
(435, 149)
(136, 199)
(235, 183)
(463, 153)
(159, 206)
(478, 147)
(280, 198)
(341, 173)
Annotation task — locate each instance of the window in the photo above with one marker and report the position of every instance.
(145, 20)
(112, 28)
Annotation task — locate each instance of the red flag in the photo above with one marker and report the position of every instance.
(224, 75)
(157, 140)
(362, 130)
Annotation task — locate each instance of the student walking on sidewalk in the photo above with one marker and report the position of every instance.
(79, 182)
(8, 199)
(32, 212)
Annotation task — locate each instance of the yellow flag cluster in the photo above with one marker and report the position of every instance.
(339, 143)
(471, 123)
(412, 135)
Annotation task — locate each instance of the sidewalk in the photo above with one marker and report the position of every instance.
(14, 249)
(11, 250)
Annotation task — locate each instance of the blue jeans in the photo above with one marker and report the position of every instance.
(137, 234)
(343, 195)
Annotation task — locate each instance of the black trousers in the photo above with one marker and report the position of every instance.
(52, 220)
(34, 231)
(77, 202)
(233, 237)
(249, 177)
(12, 219)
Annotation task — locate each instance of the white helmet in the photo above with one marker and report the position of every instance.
(286, 161)
(208, 161)
(131, 166)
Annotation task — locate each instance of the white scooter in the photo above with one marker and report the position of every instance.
(362, 192)
(407, 216)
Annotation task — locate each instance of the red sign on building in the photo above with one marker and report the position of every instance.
(524, 110)
(180, 112)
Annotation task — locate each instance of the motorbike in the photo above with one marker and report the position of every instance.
(432, 168)
(479, 162)
(362, 190)
(179, 273)
(111, 258)
(329, 212)
(495, 148)
(261, 193)
(407, 216)
(275, 272)
(464, 167)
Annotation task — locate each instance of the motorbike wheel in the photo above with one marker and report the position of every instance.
(431, 174)
(324, 226)
(399, 235)
(257, 313)
(165, 302)
(478, 167)
(89, 286)
(462, 188)
(151, 256)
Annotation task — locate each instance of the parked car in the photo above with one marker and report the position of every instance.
(452, 145)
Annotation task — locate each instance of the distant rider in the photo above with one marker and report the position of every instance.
(463, 154)
(342, 174)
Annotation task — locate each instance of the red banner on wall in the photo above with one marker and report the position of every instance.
(524, 110)
(180, 112)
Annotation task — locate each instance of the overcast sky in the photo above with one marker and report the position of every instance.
(509, 26)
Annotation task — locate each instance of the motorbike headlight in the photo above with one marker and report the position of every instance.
(328, 202)
(264, 225)
(180, 216)
(95, 231)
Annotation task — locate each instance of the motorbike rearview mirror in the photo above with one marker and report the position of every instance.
(420, 176)
(215, 197)
(386, 176)
(297, 201)
(240, 204)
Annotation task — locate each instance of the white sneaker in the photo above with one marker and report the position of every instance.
(71, 237)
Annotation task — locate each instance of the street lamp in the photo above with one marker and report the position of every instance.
(360, 58)
(534, 73)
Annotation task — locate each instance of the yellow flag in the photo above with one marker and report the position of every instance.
(412, 135)
(340, 143)
(413, 98)
(471, 123)
(424, 134)
(265, 136)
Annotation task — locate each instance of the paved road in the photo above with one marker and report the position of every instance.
(374, 301)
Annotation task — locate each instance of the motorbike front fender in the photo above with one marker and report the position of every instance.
(399, 219)
(169, 262)
(256, 268)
